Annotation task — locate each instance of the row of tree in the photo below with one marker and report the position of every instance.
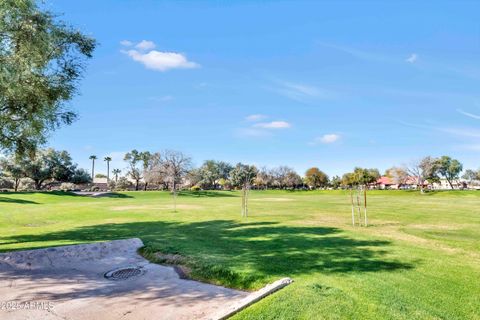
(45, 167)
(170, 169)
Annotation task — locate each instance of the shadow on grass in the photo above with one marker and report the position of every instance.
(19, 201)
(54, 193)
(204, 193)
(242, 255)
(113, 195)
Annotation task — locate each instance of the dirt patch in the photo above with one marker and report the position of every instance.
(156, 207)
(436, 226)
(177, 261)
(274, 199)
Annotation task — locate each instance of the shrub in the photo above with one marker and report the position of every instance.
(123, 184)
(67, 186)
(195, 188)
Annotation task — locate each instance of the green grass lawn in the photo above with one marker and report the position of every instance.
(419, 258)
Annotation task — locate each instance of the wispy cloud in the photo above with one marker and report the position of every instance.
(468, 114)
(158, 60)
(255, 117)
(326, 139)
(261, 129)
(145, 45)
(252, 132)
(273, 125)
(162, 98)
(126, 43)
(412, 58)
(360, 54)
(300, 91)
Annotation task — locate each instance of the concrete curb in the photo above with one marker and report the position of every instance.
(252, 298)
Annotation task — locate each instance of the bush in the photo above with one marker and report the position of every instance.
(26, 184)
(67, 186)
(123, 184)
(195, 188)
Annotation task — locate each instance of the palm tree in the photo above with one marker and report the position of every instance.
(93, 158)
(108, 159)
(116, 172)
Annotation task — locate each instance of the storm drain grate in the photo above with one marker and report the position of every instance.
(124, 273)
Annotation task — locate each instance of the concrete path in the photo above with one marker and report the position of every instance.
(68, 283)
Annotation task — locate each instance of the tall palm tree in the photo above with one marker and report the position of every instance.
(93, 158)
(108, 159)
(116, 172)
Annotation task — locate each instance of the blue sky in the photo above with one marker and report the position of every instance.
(333, 84)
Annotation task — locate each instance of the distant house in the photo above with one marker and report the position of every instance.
(443, 184)
(385, 182)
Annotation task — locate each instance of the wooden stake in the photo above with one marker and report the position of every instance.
(358, 207)
(365, 205)
(353, 211)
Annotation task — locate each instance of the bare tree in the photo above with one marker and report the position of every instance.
(423, 169)
(399, 175)
(154, 173)
(243, 176)
(175, 165)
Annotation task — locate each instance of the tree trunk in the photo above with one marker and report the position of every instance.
(17, 182)
(145, 186)
(136, 184)
(108, 171)
(450, 183)
(353, 207)
(93, 169)
(174, 197)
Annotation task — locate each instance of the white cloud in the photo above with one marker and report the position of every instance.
(412, 58)
(273, 125)
(126, 43)
(255, 117)
(471, 115)
(326, 139)
(161, 61)
(145, 45)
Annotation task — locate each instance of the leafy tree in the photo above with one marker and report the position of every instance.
(336, 182)
(316, 178)
(449, 168)
(93, 158)
(12, 169)
(471, 175)
(212, 171)
(133, 158)
(81, 176)
(107, 160)
(348, 179)
(41, 61)
(116, 172)
(47, 165)
(145, 157)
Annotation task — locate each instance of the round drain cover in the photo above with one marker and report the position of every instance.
(124, 273)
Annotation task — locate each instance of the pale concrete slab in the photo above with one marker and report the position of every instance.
(71, 279)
